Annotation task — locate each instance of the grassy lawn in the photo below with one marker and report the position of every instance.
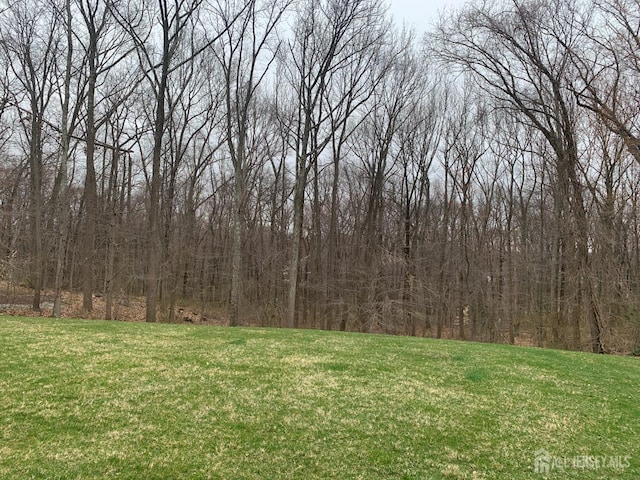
(94, 400)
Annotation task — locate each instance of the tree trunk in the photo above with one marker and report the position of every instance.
(35, 165)
(296, 243)
(63, 208)
(238, 228)
(91, 202)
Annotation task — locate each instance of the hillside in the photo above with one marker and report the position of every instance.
(94, 399)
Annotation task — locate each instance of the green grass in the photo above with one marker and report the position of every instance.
(95, 400)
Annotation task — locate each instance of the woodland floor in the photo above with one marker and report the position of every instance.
(17, 301)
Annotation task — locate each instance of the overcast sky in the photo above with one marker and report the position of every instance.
(420, 14)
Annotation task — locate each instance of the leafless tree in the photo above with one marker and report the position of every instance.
(30, 42)
(248, 51)
(175, 24)
(327, 37)
(62, 179)
(520, 54)
(607, 64)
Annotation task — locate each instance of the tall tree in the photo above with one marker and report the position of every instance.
(30, 43)
(62, 179)
(395, 99)
(520, 54)
(246, 57)
(104, 47)
(174, 23)
(327, 37)
(607, 62)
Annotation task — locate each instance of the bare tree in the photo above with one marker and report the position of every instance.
(62, 179)
(246, 57)
(175, 24)
(607, 62)
(419, 140)
(30, 42)
(348, 105)
(395, 100)
(327, 37)
(519, 54)
(104, 47)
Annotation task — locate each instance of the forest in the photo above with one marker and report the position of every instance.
(316, 164)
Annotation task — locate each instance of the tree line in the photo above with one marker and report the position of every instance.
(311, 163)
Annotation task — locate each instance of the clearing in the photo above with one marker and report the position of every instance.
(84, 399)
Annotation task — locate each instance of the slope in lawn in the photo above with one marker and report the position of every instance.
(93, 399)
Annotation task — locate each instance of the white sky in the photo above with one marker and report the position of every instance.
(420, 14)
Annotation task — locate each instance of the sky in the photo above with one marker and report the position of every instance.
(420, 14)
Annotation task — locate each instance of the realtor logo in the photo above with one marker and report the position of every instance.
(542, 462)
